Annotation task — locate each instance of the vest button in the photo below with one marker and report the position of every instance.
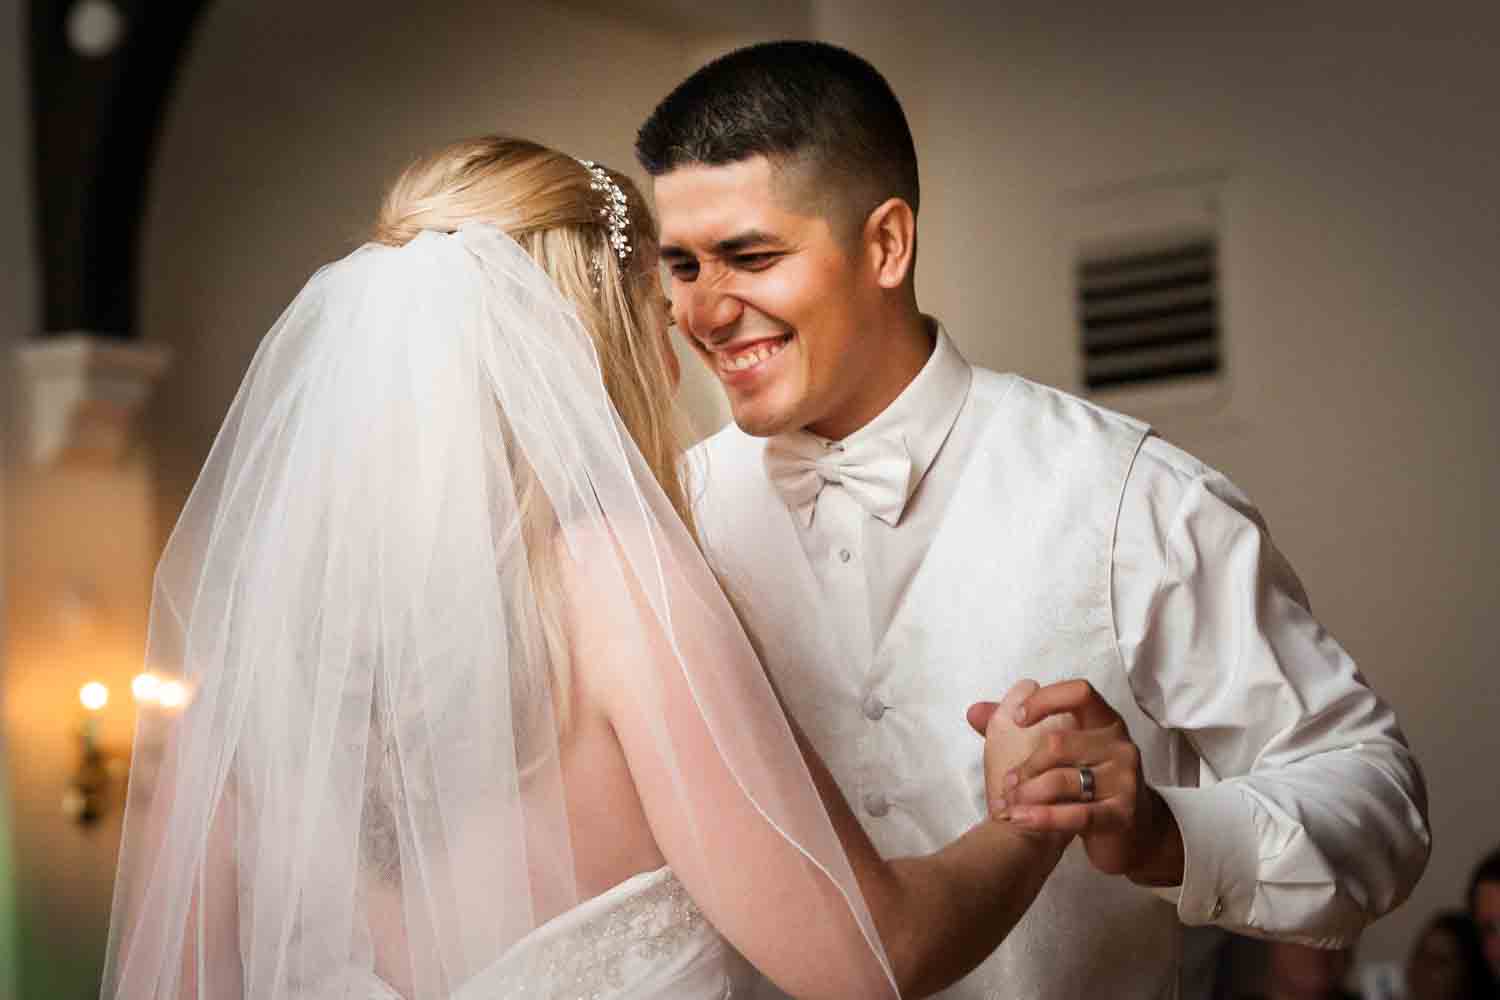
(874, 708)
(845, 555)
(876, 805)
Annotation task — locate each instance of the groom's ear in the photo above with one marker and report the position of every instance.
(890, 240)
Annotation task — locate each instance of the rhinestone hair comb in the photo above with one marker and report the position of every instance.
(616, 215)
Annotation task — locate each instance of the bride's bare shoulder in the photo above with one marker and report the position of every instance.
(621, 561)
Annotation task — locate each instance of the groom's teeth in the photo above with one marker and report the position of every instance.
(753, 356)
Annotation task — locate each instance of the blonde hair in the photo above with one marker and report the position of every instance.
(543, 200)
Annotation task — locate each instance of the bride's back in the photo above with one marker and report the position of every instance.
(612, 840)
(590, 231)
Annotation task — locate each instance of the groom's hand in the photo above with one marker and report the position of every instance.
(1127, 828)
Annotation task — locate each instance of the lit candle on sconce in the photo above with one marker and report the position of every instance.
(145, 687)
(84, 798)
(94, 696)
(167, 693)
(172, 695)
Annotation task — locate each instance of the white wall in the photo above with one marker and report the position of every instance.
(1360, 252)
(282, 141)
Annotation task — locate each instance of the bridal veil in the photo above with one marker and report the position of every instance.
(366, 599)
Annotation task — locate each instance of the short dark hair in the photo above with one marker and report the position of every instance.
(1465, 932)
(791, 102)
(1488, 870)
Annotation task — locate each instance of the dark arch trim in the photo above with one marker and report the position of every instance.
(96, 124)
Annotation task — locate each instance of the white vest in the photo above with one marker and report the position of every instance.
(1015, 583)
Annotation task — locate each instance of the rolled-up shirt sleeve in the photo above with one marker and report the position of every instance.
(1309, 818)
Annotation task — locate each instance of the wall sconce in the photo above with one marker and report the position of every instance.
(88, 792)
(85, 798)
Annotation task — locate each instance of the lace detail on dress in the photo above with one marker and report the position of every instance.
(594, 960)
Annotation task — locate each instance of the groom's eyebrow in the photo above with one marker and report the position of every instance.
(738, 243)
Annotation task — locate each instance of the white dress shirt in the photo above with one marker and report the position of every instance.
(1215, 635)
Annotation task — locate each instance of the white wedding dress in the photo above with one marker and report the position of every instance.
(644, 938)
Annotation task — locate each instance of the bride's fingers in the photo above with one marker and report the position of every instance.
(1074, 817)
(981, 712)
(979, 715)
(1017, 695)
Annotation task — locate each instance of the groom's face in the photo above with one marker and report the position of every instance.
(766, 294)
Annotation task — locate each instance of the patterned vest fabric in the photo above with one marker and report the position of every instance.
(1015, 583)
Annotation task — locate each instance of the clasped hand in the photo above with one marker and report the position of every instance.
(1059, 759)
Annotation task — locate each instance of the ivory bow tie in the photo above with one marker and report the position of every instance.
(876, 473)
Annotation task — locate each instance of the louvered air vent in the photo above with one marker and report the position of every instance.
(1150, 315)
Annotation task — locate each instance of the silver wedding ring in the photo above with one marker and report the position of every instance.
(1085, 783)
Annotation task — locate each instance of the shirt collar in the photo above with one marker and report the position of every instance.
(925, 411)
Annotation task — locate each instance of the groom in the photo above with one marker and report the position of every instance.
(907, 534)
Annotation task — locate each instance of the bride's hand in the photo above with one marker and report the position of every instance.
(1006, 744)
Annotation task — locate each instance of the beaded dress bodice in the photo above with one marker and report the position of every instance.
(643, 938)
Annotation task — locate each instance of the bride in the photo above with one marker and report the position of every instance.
(470, 716)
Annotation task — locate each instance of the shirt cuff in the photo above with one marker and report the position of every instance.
(1221, 836)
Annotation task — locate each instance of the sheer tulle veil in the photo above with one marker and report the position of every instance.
(366, 778)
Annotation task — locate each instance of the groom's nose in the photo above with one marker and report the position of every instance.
(705, 313)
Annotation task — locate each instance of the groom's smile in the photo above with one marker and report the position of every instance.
(740, 361)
